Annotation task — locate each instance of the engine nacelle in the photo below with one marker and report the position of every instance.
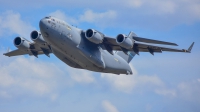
(37, 37)
(124, 41)
(21, 43)
(94, 36)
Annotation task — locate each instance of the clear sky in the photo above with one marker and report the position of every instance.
(166, 82)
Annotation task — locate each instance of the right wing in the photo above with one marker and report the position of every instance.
(16, 52)
(35, 49)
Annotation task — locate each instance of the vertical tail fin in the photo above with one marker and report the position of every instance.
(126, 57)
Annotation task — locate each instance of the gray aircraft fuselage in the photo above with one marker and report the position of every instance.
(70, 45)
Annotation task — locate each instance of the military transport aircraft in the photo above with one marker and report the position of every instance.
(90, 49)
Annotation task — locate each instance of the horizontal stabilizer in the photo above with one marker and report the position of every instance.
(153, 41)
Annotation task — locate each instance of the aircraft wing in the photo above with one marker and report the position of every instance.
(35, 49)
(16, 52)
(152, 48)
(111, 44)
(140, 39)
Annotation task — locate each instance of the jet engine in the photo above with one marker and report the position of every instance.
(124, 41)
(37, 37)
(94, 36)
(21, 43)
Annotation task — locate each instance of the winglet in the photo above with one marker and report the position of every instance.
(190, 48)
(8, 50)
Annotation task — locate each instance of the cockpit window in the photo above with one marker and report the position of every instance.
(48, 17)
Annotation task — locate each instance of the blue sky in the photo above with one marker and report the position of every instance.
(163, 82)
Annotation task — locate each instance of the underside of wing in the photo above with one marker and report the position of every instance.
(35, 50)
(16, 53)
(110, 41)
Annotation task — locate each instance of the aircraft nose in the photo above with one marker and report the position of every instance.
(42, 24)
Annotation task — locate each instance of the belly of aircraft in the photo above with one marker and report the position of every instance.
(65, 52)
(76, 60)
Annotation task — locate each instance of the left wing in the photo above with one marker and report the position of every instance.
(111, 44)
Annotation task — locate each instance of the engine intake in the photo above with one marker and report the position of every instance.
(124, 41)
(94, 36)
(21, 43)
(37, 37)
